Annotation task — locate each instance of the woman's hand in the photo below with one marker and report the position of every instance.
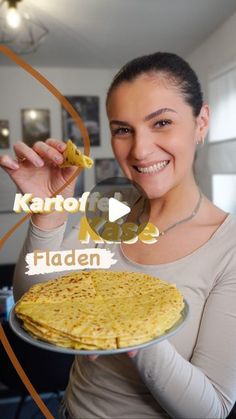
(36, 170)
(131, 354)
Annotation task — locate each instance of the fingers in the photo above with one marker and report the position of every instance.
(7, 162)
(131, 354)
(92, 357)
(49, 150)
(59, 145)
(23, 151)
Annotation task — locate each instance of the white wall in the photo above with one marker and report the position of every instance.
(214, 55)
(216, 52)
(18, 91)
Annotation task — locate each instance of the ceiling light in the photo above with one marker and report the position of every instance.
(18, 29)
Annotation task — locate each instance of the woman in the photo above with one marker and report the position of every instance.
(157, 116)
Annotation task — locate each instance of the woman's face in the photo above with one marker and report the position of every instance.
(154, 133)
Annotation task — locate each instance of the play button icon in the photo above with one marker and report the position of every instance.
(117, 209)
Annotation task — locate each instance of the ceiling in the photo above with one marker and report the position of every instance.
(107, 33)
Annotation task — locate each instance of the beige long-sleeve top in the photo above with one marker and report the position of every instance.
(190, 375)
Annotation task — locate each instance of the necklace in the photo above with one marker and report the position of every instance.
(195, 211)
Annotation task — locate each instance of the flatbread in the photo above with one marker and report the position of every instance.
(73, 157)
(100, 309)
(55, 337)
(67, 287)
(126, 283)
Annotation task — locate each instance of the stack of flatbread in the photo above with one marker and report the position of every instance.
(100, 309)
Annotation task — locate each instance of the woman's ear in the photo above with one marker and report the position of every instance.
(202, 123)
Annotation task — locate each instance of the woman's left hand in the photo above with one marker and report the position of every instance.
(131, 354)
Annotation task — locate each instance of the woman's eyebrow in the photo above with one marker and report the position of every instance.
(115, 121)
(157, 113)
(147, 118)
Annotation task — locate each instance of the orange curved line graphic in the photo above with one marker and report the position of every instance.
(78, 121)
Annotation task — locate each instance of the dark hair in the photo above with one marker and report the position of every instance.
(170, 64)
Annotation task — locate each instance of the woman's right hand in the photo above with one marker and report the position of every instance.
(36, 170)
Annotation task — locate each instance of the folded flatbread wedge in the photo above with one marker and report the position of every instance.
(73, 157)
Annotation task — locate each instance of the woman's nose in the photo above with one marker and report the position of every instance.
(141, 148)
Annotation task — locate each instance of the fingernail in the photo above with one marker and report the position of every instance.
(58, 159)
(132, 354)
(15, 166)
(39, 162)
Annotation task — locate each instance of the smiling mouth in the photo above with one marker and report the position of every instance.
(154, 168)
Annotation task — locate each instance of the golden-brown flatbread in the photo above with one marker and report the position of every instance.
(100, 309)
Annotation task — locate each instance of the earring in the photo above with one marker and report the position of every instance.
(201, 141)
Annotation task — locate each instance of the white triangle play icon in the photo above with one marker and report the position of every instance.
(116, 209)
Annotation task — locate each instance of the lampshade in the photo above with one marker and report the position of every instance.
(18, 30)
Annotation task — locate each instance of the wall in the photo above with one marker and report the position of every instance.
(214, 55)
(18, 91)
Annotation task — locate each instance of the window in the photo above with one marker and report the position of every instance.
(224, 187)
(222, 139)
(222, 101)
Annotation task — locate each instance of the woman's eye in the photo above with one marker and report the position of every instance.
(120, 131)
(162, 123)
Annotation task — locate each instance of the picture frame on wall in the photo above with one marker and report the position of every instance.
(35, 125)
(4, 134)
(88, 110)
(106, 168)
